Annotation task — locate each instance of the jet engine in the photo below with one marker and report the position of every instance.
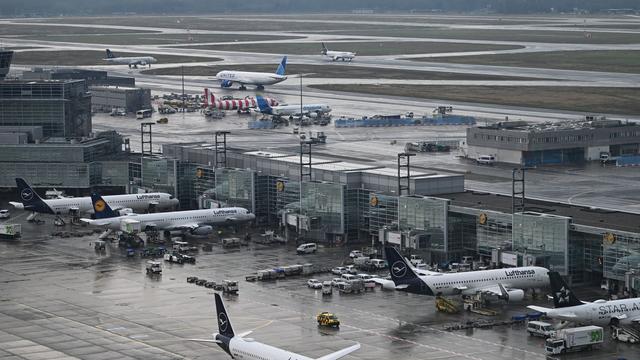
(225, 83)
(125, 211)
(514, 295)
(202, 230)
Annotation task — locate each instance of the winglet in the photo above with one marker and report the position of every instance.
(282, 67)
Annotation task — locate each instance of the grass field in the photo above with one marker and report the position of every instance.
(88, 57)
(624, 101)
(613, 61)
(338, 70)
(159, 39)
(13, 29)
(361, 48)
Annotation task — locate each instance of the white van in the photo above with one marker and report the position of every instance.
(540, 328)
(486, 160)
(348, 277)
(307, 248)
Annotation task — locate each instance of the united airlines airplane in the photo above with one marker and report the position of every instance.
(506, 284)
(131, 60)
(291, 110)
(238, 346)
(600, 312)
(121, 203)
(196, 222)
(260, 79)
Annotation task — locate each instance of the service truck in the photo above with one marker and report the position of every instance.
(574, 339)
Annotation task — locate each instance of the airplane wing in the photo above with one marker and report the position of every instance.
(495, 290)
(636, 319)
(338, 354)
(93, 222)
(555, 313)
(190, 226)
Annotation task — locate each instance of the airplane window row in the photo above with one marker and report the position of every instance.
(480, 280)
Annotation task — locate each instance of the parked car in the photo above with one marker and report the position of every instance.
(4, 214)
(307, 248)
(351, 269)
(314, 284)
(348, 277)
(339, 270)
(355, 254)
(327, 288)
(335, 282)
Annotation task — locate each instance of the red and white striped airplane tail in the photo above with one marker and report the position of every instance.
(233, 104)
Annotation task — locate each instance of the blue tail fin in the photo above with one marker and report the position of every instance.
(282, 67)
(403, 275)
(110, 55)
(101, 209)
(263, 105)
(30, 199)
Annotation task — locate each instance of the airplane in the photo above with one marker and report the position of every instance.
(506, 284)
(312, 110)
(238, 346)
(337, 55)
(130, 60)
(196, 222)
(31, 201)
(260, 79)
(567, 307)
(210, 101)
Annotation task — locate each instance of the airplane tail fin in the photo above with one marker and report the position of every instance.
(101, 209)
(110, 55)
(324, 49)
(263, 105)
(562, 295)
(340, 353)
(282, 67)
(30, 198)
(224, 325)
(401, 272)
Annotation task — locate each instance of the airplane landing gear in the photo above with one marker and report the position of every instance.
(260, 87)
(58, 221)
(242, 87)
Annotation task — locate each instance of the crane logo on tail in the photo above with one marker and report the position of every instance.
(99, 206)
(222, 322)
(26, 194)
(399, 269)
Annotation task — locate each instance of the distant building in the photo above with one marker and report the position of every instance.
(105, 98)
(91, 77)
(518, 142)
(5, 62)
(61, 108)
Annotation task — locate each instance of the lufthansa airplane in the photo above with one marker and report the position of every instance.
(600, 312)
(240, 347)
(197, 222)
(121, 203)
(260, 79)
(507, 284)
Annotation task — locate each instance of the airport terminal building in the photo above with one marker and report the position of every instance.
(517, 142)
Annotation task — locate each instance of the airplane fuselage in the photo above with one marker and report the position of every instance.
(340, 55)
(142, 60)
(469, 283)
(136, 202)
(599, 312)
(249, 349)
(176, 219)
(250, 78)
(286, 110)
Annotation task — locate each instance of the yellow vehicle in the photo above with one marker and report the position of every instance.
(163, 120)
(446, 305)
(328, 319)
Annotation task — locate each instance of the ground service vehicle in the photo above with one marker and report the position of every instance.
(229, 286)
(142, 114)
(355, 254)
(153, 267)
(574, 339)
(327, 288)
(540, 328)
(188, 258)
(327, 319)
(339, 270)
(307, 248)
(314, 284)
(174, 258)
(378, 264)
(4, 214)
(486, 160)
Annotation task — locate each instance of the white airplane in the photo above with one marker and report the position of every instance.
(130, 60)
(260, 79)
(600, 312)
(312, 110)
(31, 201)
(506, 284)
(240, 347)
(196, 222)
(337, 55)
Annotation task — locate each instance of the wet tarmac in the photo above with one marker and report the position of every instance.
(59, 299)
